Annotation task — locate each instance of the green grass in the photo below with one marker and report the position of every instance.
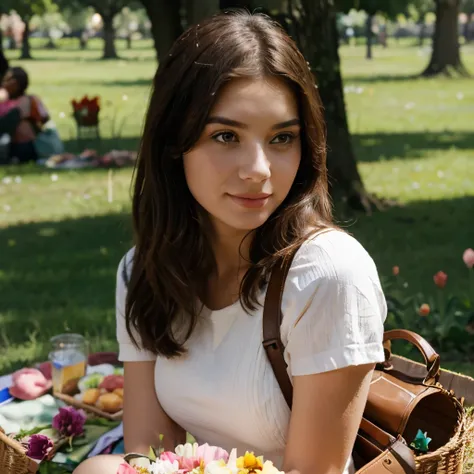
(60, 239)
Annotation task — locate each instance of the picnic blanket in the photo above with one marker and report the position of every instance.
(100, 435)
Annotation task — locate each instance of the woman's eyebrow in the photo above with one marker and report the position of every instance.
(287, 123)
(234, 123)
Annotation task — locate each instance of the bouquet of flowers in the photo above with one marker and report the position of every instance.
(86, 111)
(67, 424)
(196, 459)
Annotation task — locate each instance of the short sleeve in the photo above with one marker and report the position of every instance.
(333, 307)
(128, 352)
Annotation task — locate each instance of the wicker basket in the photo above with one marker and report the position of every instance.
(13, 458)
(448, 459)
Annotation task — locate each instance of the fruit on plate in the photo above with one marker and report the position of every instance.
(119, 392)
(111, 382)
(90, 381)
(90, 396)
(110, 403)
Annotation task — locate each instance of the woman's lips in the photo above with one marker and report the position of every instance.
(250, 201)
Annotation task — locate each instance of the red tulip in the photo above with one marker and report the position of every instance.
(424, 310)
(440, 279)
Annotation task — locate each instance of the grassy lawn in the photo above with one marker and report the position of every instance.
(61, 240)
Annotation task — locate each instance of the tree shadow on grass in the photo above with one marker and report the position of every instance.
(372, 147)
(148, 81)
(381, 78)
(421, 238)
(57, 276)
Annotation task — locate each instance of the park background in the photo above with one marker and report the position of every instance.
(403, 170)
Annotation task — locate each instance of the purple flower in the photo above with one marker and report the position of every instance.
(69, 422)
(39, 446)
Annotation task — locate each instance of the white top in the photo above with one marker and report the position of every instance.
(223, 391)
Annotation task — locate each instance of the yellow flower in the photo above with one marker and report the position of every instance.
(250, 462)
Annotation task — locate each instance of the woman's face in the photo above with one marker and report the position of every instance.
(10, 84)
(244, 164)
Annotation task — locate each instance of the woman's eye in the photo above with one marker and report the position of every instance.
(283, 139)
(225, 137)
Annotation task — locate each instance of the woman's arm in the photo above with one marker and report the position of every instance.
(143, 418)
(326, 414)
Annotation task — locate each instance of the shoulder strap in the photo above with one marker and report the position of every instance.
(400, 454)
(272, 319)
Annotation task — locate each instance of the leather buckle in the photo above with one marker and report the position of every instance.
(273, 343)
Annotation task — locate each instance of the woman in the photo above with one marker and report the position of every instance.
(230, 176)
(13, 95)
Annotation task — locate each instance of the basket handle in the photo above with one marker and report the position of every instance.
(432, 358)
(32, 465)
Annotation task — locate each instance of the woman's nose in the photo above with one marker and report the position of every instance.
(255, 165)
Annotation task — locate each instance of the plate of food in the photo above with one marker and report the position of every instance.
(97, 393)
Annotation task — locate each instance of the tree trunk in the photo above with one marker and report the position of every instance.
(319, 33)
(446, 57)
(51, 44)
(197, 10)
(109, 37)
(83, 37)
(165, 21)
(128, 39)
(25, 44)
(225, 4)
(421, 33)
(368, 32)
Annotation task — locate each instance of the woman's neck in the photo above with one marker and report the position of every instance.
(231, 251)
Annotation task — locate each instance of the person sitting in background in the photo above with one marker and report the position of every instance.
(3, 65)
(13, 95)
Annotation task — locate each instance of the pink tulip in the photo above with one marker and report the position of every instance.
(468, 257)
(125, 468)
(188, 464)
(211, 453)
(169, 456)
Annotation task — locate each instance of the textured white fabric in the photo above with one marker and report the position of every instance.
(224, 391)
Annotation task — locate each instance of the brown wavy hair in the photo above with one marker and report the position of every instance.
(173, 254)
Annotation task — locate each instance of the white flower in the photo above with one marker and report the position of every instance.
(54, 177)
(164, 467)
(187, 450)
(269, 468)
(218, 467)
(140, 462)
(62, 115)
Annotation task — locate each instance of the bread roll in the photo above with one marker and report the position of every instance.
(110, 403)
(90, 396)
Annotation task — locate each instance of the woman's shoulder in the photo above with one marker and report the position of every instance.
(332, 255)
(125, 266)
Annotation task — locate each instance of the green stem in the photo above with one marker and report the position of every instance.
(442, 309)
(471, 287)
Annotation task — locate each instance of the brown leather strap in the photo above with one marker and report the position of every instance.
(272, 318)
(432, 358)
(397, 457)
